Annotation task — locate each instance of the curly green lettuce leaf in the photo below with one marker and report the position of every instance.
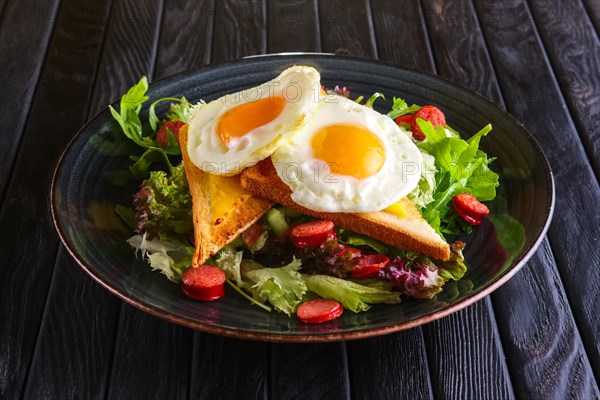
(353, 296)
(170, 257)
(229, 260)
(164, 203)
(460, 168)
(282, 287)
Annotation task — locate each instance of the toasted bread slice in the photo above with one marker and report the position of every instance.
(221, 209)
(410, 232)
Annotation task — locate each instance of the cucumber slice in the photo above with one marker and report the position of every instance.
(276, 220)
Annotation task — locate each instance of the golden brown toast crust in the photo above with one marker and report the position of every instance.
(211, 235)
(411, 232)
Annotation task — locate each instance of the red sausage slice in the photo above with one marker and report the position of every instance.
(427, 113)
(312, 233)
(370, 265)
(206, 283)
(316, 311)
(469, 208)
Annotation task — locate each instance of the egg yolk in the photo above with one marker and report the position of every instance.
(349, 150)
(242, 119)
(224, 192)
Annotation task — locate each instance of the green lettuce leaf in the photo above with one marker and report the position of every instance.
(282, 287)
(460, 168)
(170, 257)
(353, 296)
(164, 204)
(229, 260)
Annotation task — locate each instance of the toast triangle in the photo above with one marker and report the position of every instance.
(221, 209)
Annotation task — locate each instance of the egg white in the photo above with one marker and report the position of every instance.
(298, 85)
(313, 184)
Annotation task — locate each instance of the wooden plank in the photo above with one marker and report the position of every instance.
(75, 345)
(309, 371)
(241, 30)
(532, 95)
(466, 356)
(225, 368)
(293, 26)
(459, 47)
(186, 36)
(347, 28)
(20, 69)
(152, 358)
(543, 347)
(593, 8)
(391, 366)
(401, 34)
(30, 246)
(129, 52)
(575, 56)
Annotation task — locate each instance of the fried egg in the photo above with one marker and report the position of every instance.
(239, 129)
(348, 158)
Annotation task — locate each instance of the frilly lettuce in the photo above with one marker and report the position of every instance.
(164, 203)
(282, 287)
(169, 257)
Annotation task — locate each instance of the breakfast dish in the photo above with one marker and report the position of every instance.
(99, 170)
(304, 196)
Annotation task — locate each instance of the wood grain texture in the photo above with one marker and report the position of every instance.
(347, 28)
(459, 47)
(593, 9)
(152, 358)
(241, 30)
(575, 58)
(74, 350)
(185, 36)
(129, 52)
(293, 26)
(466, 354)
(309, 371)
(22, 59)
(224, 368)
(526, 79)
(543, 347)
(29, 247)
(390, 367)
(401, 34)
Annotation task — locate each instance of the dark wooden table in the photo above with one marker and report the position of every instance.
(63, 336)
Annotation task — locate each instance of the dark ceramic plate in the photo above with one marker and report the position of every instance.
(84, 195)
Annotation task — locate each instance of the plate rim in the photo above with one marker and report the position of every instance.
(302, 337)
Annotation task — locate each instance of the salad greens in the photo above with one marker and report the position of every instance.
(128, 118)
(162, 218)
(460, 168)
